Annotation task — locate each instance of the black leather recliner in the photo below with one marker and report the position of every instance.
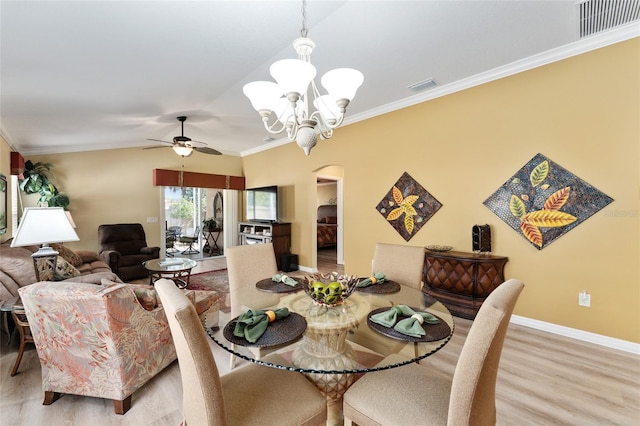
(124, 248)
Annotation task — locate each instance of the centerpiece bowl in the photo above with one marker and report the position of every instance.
(329, 289)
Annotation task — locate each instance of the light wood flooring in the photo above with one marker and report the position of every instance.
(544, 379)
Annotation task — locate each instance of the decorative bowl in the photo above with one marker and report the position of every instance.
(329, 289)
(436, 247)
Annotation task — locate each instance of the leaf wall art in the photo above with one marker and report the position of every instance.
(407, 206)
(544, 201)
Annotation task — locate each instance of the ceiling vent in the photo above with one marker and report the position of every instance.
(601, 15)
(424, 84)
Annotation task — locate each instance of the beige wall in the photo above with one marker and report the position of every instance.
(582, 113)
(5, 169)
(116, 186)
(326, 193)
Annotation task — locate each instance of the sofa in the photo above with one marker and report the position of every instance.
(16, 267)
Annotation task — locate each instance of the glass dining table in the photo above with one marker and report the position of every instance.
(333, 346)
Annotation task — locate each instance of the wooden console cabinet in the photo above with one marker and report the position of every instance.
(462, 281)
(279, 234)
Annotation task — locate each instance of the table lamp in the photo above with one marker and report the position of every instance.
(44, 225)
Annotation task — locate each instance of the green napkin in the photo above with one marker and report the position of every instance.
(410, 326)
(377, 276)
(282, 278)
(252, 324)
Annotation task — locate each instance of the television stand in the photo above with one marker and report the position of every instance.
(279, 234)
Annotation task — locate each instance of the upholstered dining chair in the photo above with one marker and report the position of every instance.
(251, 395)
(246, 265)
(417, 394)
(401, 263)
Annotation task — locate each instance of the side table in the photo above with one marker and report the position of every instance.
(177, 269)
(20, 318)
(213, 235)
(6, 307)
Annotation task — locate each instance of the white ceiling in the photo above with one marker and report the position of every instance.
(86, 75)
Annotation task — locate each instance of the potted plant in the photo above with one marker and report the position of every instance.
(35, 180)
(209, 224)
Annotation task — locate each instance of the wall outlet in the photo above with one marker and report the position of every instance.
(584, 299)
(152, 220)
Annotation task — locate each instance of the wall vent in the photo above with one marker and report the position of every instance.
(601, 15)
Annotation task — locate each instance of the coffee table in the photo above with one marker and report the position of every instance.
(179, 270)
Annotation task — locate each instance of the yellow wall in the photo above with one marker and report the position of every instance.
(116, 186)
(5, 169)
(582, 113)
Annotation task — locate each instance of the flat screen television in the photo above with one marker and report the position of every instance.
(262, 204)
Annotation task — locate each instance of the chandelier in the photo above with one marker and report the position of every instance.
(289, 101)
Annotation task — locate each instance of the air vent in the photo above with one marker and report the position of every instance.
(601, 15)
(421, 85)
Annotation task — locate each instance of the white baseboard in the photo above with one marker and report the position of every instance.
(574, 333)
(586, 336)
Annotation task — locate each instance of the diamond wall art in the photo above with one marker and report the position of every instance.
(543, 201)
(407, 206)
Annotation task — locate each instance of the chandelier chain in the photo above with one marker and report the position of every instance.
(303, 31)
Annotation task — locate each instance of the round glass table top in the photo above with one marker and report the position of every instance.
(169, 265)
(343, 339)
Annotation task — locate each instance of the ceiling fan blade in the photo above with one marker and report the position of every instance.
(200, 142)
(206, 150)
(159, 140)
(154, 147)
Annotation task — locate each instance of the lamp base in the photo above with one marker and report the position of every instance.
(44, 263)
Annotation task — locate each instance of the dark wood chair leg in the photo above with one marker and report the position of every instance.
(14, 370)
(51, 397)
(123, 406)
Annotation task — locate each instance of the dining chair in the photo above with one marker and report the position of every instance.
(246, 265)
(401, 263)
(250, 395)
(419, 394)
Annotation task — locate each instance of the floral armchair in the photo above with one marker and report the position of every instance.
(97, 340)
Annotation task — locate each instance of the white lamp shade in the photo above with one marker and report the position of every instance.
(328, 108)
(183, 151)
(342, 83)
(293, 75)
(263, 95)
(44, 225)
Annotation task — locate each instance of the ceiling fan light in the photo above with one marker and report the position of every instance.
(293, 75)
(342, 83)
(264, 95)
(183, 151)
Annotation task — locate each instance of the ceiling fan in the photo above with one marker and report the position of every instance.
(183, 145)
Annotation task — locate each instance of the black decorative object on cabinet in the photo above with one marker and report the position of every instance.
(481, 238)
